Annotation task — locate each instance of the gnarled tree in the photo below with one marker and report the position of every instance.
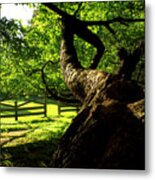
(108, 132)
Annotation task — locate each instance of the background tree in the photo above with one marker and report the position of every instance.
(32, 46)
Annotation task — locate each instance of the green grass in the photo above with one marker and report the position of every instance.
(31, 141)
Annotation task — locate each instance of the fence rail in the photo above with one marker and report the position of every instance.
(67, 107)
(17, 108)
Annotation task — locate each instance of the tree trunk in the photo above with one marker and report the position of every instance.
(108, 132)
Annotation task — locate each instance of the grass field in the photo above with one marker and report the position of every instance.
(31, 141)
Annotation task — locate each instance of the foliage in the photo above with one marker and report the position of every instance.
(26, 49)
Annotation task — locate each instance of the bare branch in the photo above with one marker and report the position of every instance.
(79, 6)
(106, 23)
(118, 19)
(56, 9)
(52, 91)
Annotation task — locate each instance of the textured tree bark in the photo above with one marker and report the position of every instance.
(108, 131)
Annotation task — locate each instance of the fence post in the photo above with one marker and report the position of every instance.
(16, 111)
(45, 105)
(59, 108)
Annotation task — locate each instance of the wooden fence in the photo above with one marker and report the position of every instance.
(66, 107)
(17, 109)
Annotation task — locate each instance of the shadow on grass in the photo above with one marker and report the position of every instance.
(13, 129)
(36, 154)
(42, 121)
(16, 126)
(31, 154)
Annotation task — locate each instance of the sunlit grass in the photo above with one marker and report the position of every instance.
(33, 135)
(38, 127)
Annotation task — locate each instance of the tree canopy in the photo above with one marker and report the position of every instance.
(26, 49)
